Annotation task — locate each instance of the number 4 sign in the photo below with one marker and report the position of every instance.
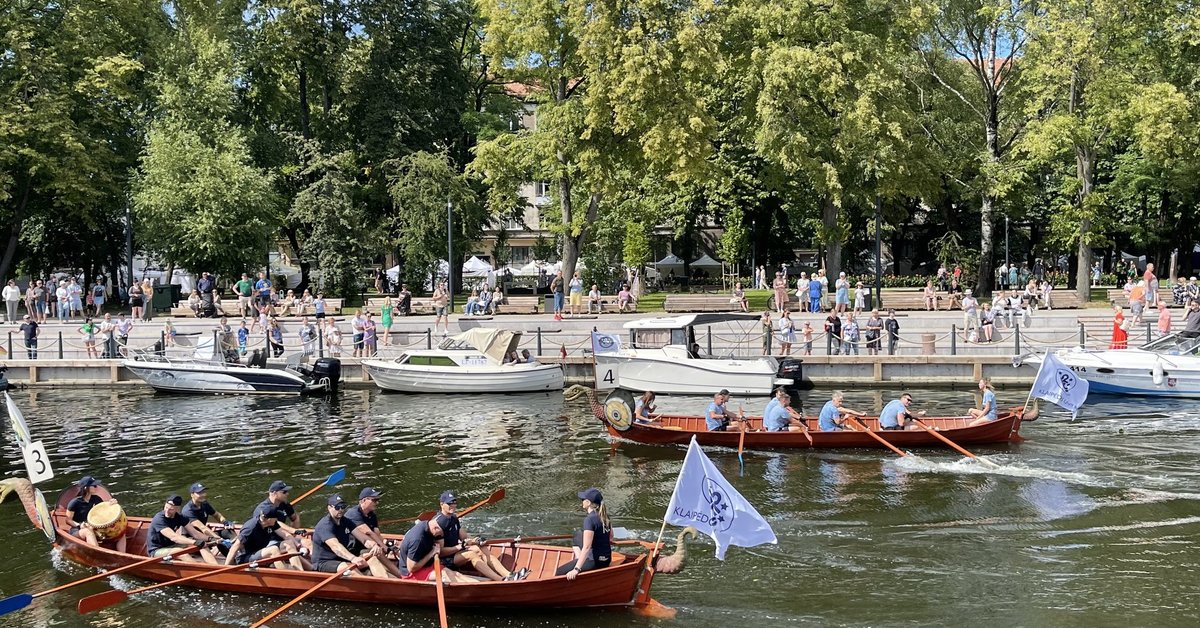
(37, 462)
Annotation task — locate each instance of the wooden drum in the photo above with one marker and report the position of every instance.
(107, 521)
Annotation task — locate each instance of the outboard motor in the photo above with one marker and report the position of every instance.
(793, 369)
(3, 380)
(328, 369)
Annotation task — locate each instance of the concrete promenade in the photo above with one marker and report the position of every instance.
(926, 354)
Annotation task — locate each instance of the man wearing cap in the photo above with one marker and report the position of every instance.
(82, 505)
(167, 535)
(459, 550)
(330, 537)
(366, 539)
(197, 511)
(421, 546)
(254, 541)
(29, 329)
(716, 417)
(277, 499)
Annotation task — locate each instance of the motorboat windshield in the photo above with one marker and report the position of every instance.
(1174, 344)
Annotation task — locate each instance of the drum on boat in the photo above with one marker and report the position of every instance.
(107, 520)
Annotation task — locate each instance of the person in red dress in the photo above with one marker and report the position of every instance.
(1120, 336)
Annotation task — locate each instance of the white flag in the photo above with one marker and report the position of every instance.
(1058, 384)
(605, 343)
(703, 499)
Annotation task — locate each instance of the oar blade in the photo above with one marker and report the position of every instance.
(336, 476)
(15, 603)
(93, 603)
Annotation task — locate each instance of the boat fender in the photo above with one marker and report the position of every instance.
(1157, 373)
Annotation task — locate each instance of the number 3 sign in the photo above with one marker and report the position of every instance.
(37, 462)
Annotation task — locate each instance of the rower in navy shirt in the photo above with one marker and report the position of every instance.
(277, 499)
(458, 550)
(420, 547)
(367, 540)
(253, 542)
(167, 534)
(82, 505)
(593, 544)
(197, 511)
(330, 537)
(716, 417)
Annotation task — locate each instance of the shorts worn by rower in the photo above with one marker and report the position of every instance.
(592, 546)
(168, 534)
(459, 550)
(82, 505)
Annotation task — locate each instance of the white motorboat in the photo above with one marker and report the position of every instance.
(1166, 367)
(471, 362)
(663, 356)
(215, 376)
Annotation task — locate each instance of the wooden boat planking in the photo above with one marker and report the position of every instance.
(614, 586)
(674, 429)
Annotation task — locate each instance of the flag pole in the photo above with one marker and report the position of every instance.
(1029, 398)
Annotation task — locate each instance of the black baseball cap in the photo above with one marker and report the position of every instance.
(724, 392)
(592, 495)
(369, 493)
(448, 497)
(87, 481)
(278, 485)
(198, 488)
(335, 500)
(175, 499)
(269, 513)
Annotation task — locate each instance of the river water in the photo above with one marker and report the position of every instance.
(1089, 523)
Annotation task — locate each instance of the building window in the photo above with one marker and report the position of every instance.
(519, 255)
(542, 188)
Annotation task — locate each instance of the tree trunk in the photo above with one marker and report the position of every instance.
(301, 261)
(833, 242)
(304, 113)
(983, 283)
(14, 232)
(1085, 166)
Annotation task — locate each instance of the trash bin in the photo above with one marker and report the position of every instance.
(870, 301)
(549, 309)
(928, 342)
(163, 297)
(176, 294)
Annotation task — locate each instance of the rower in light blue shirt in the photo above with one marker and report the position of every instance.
(833, 411)
(716, 417)
(896, 416)
(779, 416)
(987, 413)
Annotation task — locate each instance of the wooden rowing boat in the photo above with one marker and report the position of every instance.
(674, 429)
(625, 583)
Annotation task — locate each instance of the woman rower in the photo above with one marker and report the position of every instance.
(592, 545)
(643, 407)
(82, 505)
(987, 413)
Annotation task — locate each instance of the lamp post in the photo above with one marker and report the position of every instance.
(1006, 240)
(753, 250)
(878, 254)
(129, 245)
(450, 251)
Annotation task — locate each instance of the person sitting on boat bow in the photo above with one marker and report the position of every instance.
(367, 541)
(81, 505)
(831, 419)
(332, 535)
(458, 549)
(593, 543)
(254, 541)
(421, 546)
(168, 534)
(779, 416)
(896, 414)
(644, 407)
(197, 511)
(987, 413)
(716, 417)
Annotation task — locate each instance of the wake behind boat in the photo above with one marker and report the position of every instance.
(475, 361)
(663, 356)
(1166, 367)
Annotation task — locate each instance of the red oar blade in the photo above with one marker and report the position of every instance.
(93, 603)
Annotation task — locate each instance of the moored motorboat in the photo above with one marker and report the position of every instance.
(663, 355)
(471, 362)
(617, 411)
(1166, 367)
(626, 583)
(215, 376)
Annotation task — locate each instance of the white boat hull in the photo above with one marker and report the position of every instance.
(1133, 372)
(195, 378)
(672, 375)
(506, 378)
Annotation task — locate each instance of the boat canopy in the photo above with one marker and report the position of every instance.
(689, 320)
(494, 343)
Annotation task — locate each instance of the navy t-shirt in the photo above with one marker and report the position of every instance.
(452, 531)
(156, 539)
(357, 517)
(325, 530)
(254, 537)
(79, 507)
(417, 544)
(192, 512)
(601, 543)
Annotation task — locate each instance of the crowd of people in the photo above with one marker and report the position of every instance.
(346, 539)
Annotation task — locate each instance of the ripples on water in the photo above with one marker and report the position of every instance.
(1086, 522)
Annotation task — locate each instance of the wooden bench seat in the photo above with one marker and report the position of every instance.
(699, 303)
(520, 305)
(1063, 299)
(912, 300)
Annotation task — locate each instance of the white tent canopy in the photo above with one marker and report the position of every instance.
(476, 267)
(706, 262)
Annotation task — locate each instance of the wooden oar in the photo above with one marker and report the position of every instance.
(441, 592)
(953, 445)
(334, 478)
(93, 603)
(877, 437)
(317, 587)
(496, 496)
(741, 442)
(17, 602)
